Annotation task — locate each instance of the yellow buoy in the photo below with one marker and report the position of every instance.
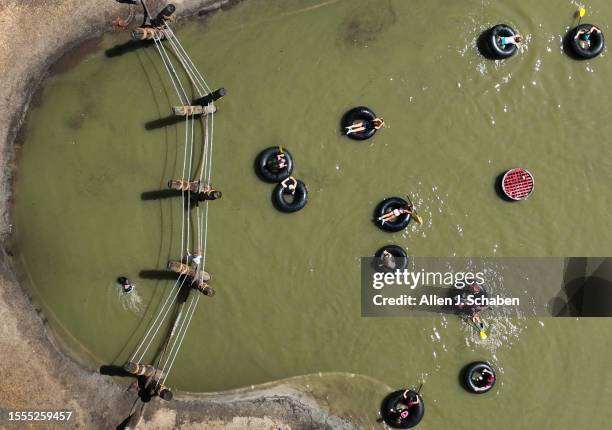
(483, 335)
(581, 12)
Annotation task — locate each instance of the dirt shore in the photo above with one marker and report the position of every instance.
(35, 373)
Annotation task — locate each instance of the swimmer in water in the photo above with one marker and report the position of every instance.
(126, 285)
(479, 324)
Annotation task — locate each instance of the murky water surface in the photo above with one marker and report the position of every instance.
(288, 297)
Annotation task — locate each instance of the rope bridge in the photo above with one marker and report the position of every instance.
(195, 185)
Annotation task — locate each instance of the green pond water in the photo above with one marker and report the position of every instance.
(288, 288)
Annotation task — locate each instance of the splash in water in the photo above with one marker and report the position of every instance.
(131, 301)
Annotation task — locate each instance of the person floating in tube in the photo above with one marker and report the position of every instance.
(408, 209)
(290, 184)
(517, 39)
(409, 399)
(278, 162)
(365, 125)
(583, 36)
(483, 380)
(388, 260)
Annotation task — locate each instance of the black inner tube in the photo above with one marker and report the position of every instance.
(595, 42)
(400, 258)
(479, 377)
(498, 50)
(395, 412)
(360, 113)
(388, 205)
(284, 201)
(264, 165)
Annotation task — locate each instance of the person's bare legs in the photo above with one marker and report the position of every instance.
(355, 128)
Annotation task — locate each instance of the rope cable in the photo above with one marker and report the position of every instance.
(183, 321)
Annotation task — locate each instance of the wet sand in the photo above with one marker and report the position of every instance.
(36, 373)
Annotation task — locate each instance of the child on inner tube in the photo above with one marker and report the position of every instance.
(290, 184)
(410, 398)
(388, 260)
(584, 36)
(482, 383)
(517, 39)
(408, 209)
(277, 163)
(365, 125)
